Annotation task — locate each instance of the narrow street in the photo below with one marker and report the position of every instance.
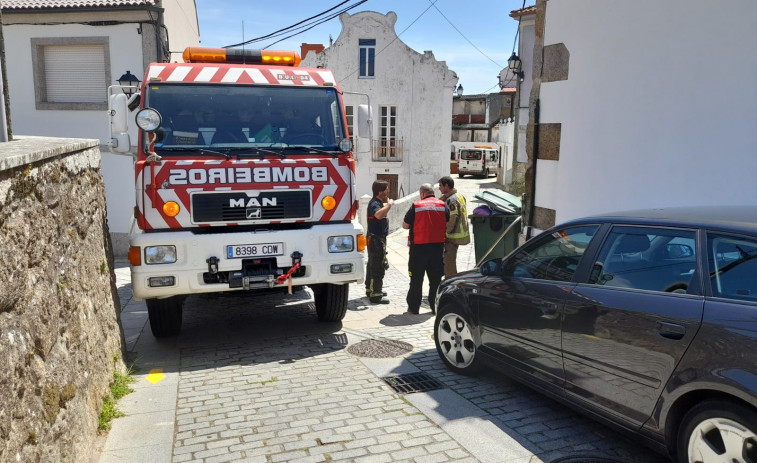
(259, 379)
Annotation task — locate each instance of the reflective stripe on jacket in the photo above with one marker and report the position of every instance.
(430, 223)
(457, 227)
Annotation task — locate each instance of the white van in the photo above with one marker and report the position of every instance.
(480, 160)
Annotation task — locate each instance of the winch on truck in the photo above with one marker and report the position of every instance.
(245, 180)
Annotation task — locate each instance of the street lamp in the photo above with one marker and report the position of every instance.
(459, 90)
(515, 65)
(129, 83)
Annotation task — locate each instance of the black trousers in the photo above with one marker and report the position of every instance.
(425, 259)
(374, 272)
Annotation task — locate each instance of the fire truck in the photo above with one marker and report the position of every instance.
(245, 181)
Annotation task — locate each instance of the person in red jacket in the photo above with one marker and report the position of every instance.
(427, 222)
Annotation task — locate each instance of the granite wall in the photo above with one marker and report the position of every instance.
(60, 334)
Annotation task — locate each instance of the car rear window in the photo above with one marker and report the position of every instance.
(733, 267)
(652, 259)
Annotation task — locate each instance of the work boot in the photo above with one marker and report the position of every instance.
(378, 300)
(368, 294)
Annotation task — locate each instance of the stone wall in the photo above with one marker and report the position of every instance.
(60, 334)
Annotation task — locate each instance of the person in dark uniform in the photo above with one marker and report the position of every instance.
(378, 228)
(427, 222)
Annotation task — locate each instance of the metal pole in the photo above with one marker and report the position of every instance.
(501, 237)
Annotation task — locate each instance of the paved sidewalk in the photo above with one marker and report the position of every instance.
(258, 379)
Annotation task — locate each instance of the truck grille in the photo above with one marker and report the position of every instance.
(230, 206)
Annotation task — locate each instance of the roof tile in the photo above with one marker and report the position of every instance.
(46, 4)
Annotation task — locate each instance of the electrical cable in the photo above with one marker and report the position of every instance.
(324, 20)
(463, 35)
(299, 24)
(395, 38)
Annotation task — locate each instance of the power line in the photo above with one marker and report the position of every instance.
(397, 37)
(463, 35)
(302, 24)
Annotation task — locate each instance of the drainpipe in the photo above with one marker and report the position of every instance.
(532, 206)
(6, 134)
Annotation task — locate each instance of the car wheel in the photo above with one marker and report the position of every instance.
(454, 341)
(718, 431)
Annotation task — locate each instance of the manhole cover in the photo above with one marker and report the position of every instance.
(413, 382)
(379, 348)
(587, 459)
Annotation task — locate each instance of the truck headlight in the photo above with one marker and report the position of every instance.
(160, 255)
(344, 243)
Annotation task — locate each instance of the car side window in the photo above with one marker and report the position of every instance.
(652, 259)
(554, 257)
(733, 267)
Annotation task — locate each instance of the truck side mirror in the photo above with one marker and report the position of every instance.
(119, 124)
(364, 121)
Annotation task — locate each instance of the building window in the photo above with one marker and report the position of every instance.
(71, 73)
(387, 147)
(367, 57)
(350, 115)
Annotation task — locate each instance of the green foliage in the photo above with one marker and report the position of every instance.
(118, 388)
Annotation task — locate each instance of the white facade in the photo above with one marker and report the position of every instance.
(417, 85)
(658, 108)
(130, 45)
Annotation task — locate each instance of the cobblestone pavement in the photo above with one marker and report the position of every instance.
(257, 379)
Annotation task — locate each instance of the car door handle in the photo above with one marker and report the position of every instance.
(670, 330)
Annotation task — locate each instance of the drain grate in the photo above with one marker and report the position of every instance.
(587, 459)
(413, 382)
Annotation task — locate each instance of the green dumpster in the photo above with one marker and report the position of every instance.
(489, 229)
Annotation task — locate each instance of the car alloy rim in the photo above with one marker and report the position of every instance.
(456, 340)
(721, 439)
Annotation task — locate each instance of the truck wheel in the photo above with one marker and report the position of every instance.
(165, 316)
(331, 302)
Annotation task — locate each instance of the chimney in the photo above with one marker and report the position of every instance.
(306, 47)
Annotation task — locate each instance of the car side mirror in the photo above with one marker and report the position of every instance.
(491, 267)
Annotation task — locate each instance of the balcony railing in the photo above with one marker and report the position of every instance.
(390, 150)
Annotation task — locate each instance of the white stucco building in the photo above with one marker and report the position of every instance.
(411, 99)
(61, 58)
(627, 118)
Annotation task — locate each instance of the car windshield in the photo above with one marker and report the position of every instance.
(234, 117)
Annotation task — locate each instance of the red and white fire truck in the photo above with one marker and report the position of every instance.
(245, 180)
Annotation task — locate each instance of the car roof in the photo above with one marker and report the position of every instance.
(729, 218)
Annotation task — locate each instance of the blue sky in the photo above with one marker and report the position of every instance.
(477, 56)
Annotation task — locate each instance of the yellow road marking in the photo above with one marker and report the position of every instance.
(156, 375)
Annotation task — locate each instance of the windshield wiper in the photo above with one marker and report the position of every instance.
(310, 148)
(199, 150)
(259, 151)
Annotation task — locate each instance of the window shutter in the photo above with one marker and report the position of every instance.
(75, 73)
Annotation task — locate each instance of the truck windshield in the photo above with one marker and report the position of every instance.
(245, 116)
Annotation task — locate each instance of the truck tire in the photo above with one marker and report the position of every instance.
(331, 302)
(165, 316)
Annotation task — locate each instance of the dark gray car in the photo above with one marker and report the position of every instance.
(645, 320)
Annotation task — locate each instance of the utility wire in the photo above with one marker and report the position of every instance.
(463, 35)
(301, 24)
(329, 18)
(397, 37)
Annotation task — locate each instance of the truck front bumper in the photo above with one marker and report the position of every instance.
(236, 261)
